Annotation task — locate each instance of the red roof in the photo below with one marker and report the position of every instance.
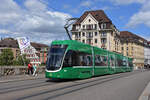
(127, 34)
(99, 15)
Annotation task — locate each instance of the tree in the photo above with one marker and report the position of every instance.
(6, 57)
(21, 60)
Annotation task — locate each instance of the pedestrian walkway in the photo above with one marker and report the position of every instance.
(146, 93)
(12, 78)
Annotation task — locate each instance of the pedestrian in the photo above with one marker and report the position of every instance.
(29, 68)
(35, 70)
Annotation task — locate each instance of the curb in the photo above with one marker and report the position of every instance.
(21, 79)
(146, 93)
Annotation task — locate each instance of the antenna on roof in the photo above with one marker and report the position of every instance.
(69, 22)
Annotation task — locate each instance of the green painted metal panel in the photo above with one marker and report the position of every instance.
(81, 73)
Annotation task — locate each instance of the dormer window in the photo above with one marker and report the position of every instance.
(103, 26)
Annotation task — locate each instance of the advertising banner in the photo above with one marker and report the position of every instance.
(23, 42)
(28, 50)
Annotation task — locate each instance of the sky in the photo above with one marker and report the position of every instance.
(43, 20)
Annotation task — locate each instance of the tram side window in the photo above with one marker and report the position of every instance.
(125, 63)
(105, 60)
(112, 61)
(89, 60)
(101, 60)
(84, 59)
(74, 58)
(120, 62)
(130, 64)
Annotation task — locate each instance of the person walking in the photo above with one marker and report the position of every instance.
(30, 69)
(35, 70)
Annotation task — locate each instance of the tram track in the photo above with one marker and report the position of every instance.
(24, 84)
(18, 80)
(13, 87)
(24, 87)
(77, 85)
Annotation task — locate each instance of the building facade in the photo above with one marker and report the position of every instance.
(9, 43)
(96, 29)
(12, 44)
(147, 54)
(133, 46)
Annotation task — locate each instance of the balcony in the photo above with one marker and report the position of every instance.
(75, 30)
(89, 29)
(103, 36)
(77, 37)
(89, 37)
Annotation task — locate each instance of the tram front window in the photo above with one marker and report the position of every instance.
(55, 57)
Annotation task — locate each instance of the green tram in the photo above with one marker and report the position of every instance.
(69, 59)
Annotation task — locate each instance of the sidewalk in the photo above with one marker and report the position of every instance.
(5, 79)
(146, 93)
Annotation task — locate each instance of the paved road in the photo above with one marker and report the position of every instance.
(123, 86)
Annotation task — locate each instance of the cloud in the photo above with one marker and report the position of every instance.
(9, 12)
(33, 20)
(86, 4)
(141, 17)
(125, 2)
(35, 6)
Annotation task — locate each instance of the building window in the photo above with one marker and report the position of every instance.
(103, 41)
(76, 35)
(122, 48)
(95, 40)
(95, 26)
(83, 41)
(89, 20)
(89, 41)
(87, 26)
(91, 26)
(103, 26)
(79, 34)
(83, 26)
(90, 34)
(83, 34)
(103, 34)
(95, 33)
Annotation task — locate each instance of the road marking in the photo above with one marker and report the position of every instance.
(146, 93)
